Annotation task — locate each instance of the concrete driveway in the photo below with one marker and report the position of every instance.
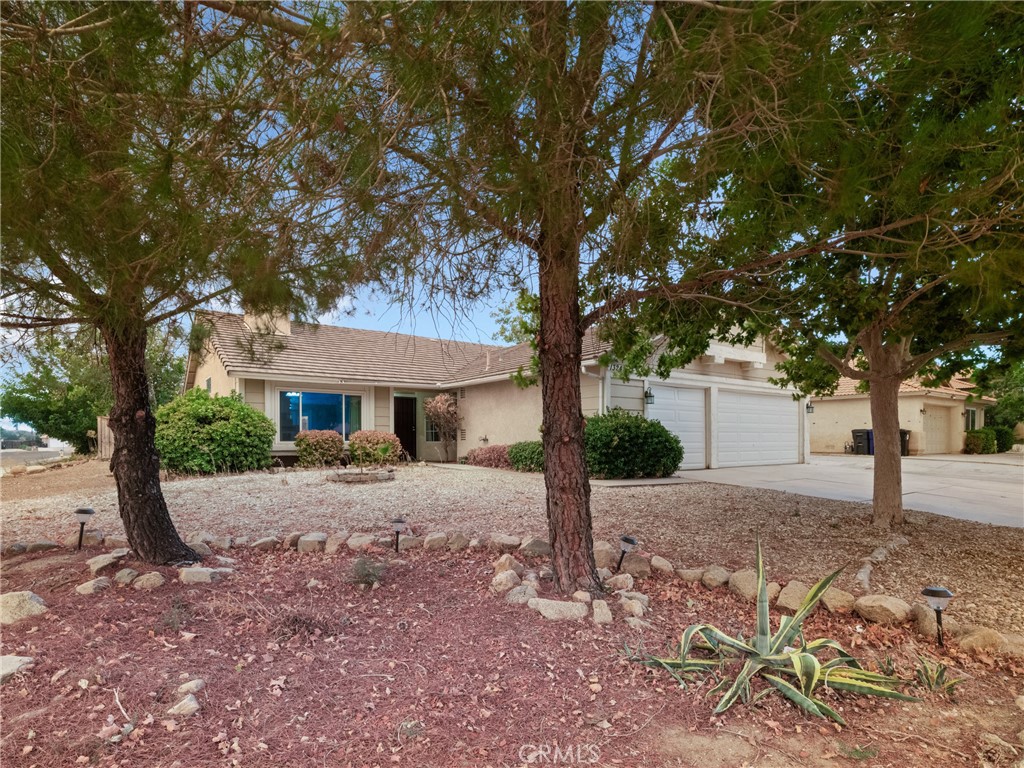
(987, 489)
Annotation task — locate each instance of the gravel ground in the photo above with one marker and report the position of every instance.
(694, 525)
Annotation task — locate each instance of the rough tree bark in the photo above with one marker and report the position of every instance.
(135, 463)
(565, 470)
(886, 364)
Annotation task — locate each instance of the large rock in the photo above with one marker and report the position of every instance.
(42, 546)
(508, 563)
(34, 469)
(115, 542)
(631, 607)
(521, 595)
(312, 542)
(715, 576)
(194, 575)
(409, 542)
(605, 555)
(619, 581)
(435, 541)
(690, 575)
(17, 469)
(559, 610)
(291, 541)
(187, 706)
(640, 597)
(125, 576)
(12, 665)
(14, 548)
(505, 581)
(95, 586)
(535, 547)
(503, 543)
(604, 574)
(982, 639)
(582, 596)
(837, 601)
(661, 565)
(196, 537)
(602, 613)
(359, 541)
(266, 543)
(923, 619)
(192, 686)
(91, 538)
(334, 542)
(792, 596)
(150, 580)
(744, 583)
(220, 542)
(457, 542)
(201, 549)
(103, 562)
(882, 609)
(15, 606)
(636, 565)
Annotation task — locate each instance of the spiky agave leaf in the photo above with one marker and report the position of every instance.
(740, 686)
(789, 630)
(794, 694)
(762, 638)
(808, 672)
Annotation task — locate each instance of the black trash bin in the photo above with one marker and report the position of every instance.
(871, 442)
(860, 442)
(904, 442)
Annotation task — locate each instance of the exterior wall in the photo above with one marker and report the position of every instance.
(590, 394)
(833, 419)
(212, 368)
(382, 409)
(628, 395)
(254, 394)
(498, 413)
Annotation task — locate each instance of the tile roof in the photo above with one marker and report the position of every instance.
(508, 360)
(346, 354)
(958, 385)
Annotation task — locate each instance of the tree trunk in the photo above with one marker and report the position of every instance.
(888, 476)
(565, 468)
(135, 463)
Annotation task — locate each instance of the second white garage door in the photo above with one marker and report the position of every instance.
(682, 412)
(757, 429)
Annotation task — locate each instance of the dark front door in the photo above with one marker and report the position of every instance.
(405, 423)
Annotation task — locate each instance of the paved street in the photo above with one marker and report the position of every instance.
(987, 489)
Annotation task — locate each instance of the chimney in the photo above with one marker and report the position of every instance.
(277, 324)
(487, 363)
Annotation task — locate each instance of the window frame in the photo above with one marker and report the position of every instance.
(278, 389)
(970, 419)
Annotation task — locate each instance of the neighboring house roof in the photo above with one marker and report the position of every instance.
(341, 354)
(958, 387)
(502, 362)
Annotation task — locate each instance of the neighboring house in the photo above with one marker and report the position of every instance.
(722, 406)
(937, 417)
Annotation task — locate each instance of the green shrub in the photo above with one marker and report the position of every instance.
(370, 446)
(1004, 438)
(320, 448)
(621, 444)
(197, 433)
(527, 456)
(980, 441)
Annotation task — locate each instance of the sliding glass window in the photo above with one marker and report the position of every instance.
(301, 411)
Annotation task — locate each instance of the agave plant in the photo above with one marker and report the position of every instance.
(785, 659)
(933, 677)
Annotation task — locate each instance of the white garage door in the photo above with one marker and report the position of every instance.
(757, 429)
(682, 411)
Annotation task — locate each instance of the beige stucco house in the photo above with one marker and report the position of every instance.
(937, 417)
(302, 376)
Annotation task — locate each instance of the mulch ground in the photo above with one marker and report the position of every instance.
(304, 668)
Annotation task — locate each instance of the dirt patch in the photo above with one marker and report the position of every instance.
(304, 668)
(78, 477)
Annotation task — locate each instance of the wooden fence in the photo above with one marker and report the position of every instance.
(104, 438)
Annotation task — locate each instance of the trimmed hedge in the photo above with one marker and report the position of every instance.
(1004, 438)
(197, 433)
(621, 444)
(527, 456)
(320, 448)
(370, 446)
(980, 441)
(493, 456)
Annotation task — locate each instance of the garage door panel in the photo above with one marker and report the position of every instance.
(756, 429)
(683, 413)
(936, 430)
